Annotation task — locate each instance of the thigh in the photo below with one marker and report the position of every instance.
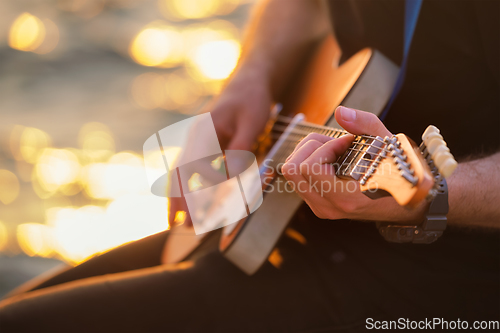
(209, 294)
(139, 254)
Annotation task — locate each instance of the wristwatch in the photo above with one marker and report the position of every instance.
(431, 228)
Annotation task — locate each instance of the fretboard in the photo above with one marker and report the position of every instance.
(361, 150)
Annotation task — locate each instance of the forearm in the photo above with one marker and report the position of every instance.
(278, 35)
(474, 193)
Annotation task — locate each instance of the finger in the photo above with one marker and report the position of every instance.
(311, 136)
(310, 195)
(326, 154)
(291, 168)
(360, 122)
(244, 137)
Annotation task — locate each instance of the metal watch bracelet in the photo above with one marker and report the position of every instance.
(429, 231)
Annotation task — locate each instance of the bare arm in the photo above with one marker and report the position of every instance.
(474, 193)
(474, 187)
(278, 35)
(280, 31)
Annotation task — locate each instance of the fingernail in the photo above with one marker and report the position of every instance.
(347, 114)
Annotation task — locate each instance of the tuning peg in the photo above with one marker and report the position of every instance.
(430, 129)
(440, 153)
(445, 162)
(438, 149)
(441, 157)
(432, 136)
(434, 144)
(447, 167)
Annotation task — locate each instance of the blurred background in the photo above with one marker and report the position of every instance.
(83, 83)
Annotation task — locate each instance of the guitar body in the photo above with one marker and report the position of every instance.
(365, 82)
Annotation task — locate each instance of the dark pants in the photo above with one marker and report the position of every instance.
(343, 274)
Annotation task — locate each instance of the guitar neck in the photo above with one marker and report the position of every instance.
(354, 163)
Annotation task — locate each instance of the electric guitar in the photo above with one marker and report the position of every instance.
(383, 166)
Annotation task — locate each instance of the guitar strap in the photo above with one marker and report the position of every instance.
(412, 11)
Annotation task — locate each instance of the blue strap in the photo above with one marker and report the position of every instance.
(412, 10)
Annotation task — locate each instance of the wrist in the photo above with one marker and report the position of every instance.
(255, 67)
(259, 69)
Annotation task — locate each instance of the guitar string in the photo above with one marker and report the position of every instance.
(286, 119)
(344, 132)
(352, 149)
(331, 133)
(378, 175)
(301, 132)
(281, 157)
(355, 144)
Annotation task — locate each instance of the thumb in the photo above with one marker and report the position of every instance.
(360, 122)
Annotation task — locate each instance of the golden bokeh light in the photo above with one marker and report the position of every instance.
(77, 232)
(51, 38)
(55, 168)
(217, 163)
(80, 233)
(4, 236)
(275, 258)
(294, 234)
(27, 143)
(9, 187)
(178, 10)
(188, 9)
(224, 28)
(35, 239)
(157, 45)
(96, 141)
(180, 217)
(132, 217)
(154, 160)
(123, 174)
(197, 34)
(94, 197)
(172, 153)
(15, 142)
(194, 182)
(227, 6)
(26, 33)
(216, 60)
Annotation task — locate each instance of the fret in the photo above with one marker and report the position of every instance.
(360, 163)
(353, 163)
(349, 158)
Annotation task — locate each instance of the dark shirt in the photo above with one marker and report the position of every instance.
(452, 79)
(452, 82)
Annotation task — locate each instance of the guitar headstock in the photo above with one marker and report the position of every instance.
(410, 174)
(436, 152)
(401, 171)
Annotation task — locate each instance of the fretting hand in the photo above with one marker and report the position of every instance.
(310, 170)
